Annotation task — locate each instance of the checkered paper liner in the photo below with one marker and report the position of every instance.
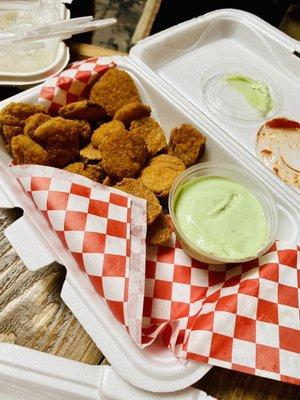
(242, 317)
(104, 230)
(72, 84)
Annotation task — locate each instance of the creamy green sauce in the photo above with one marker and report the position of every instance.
(256, 92)
(221, 217)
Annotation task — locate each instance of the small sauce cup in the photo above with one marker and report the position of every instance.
(259, 191)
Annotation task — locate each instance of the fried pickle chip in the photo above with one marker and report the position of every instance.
(90, 154)
(33, 122)
(136, 188)
(152, 133)
(160, 174)
(160, 231)
(123, 154)
(22, 110)
(187, 143)
(85, 132)
(13, 118)
(10, 131)
(26, 151)
(132, 111)
(106, 129)
(107, 181)
(60, 137)
(84, 109)
(113, 90)
(93, 172)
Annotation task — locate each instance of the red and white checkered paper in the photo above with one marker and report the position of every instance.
(72, 84)
(242, 317)
(104, 229)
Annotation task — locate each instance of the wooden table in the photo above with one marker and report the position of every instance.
(33, 315)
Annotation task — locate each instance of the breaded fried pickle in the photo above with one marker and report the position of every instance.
(84, 109)
(85, 132)
(160, 173)
(132, 111)
(113, 90)
(107, 181)
(106, 129)
(90, 154)
(26, 151)
(60, 137)
(10, 131)
(187, 143)
(123, 154)
(152, 133)
(136, 188)
(93, 172)
(160, 231)
(22, 111)
(33, 122)
(13, 117)
(11, 120)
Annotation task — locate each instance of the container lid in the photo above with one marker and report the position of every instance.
(203, 62)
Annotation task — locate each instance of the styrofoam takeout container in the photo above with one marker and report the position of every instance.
(160, 64)
(185, 56)
(30, 375)
(60, 61)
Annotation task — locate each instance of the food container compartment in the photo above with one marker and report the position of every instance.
(186, 57)
(155, 368)
(38, 74)
(237, 175)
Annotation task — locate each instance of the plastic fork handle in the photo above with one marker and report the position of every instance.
(113, 387)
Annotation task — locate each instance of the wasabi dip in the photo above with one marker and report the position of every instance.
(221, 217)
(256, 92)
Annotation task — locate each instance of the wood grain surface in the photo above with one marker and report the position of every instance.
(33, 315)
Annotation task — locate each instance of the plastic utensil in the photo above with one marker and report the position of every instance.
(62, 30)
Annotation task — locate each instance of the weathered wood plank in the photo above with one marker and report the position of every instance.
(231, 385)
(82, 50)
(32, 313)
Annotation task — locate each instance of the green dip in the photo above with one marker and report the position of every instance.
(257, 93)
(221, 217)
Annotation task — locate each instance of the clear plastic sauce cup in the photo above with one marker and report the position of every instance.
(233, 173)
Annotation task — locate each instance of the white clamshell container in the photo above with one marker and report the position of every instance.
(167, 66)
(30, 375)
(184, 57)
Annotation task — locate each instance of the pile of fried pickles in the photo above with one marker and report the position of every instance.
(110, 138)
